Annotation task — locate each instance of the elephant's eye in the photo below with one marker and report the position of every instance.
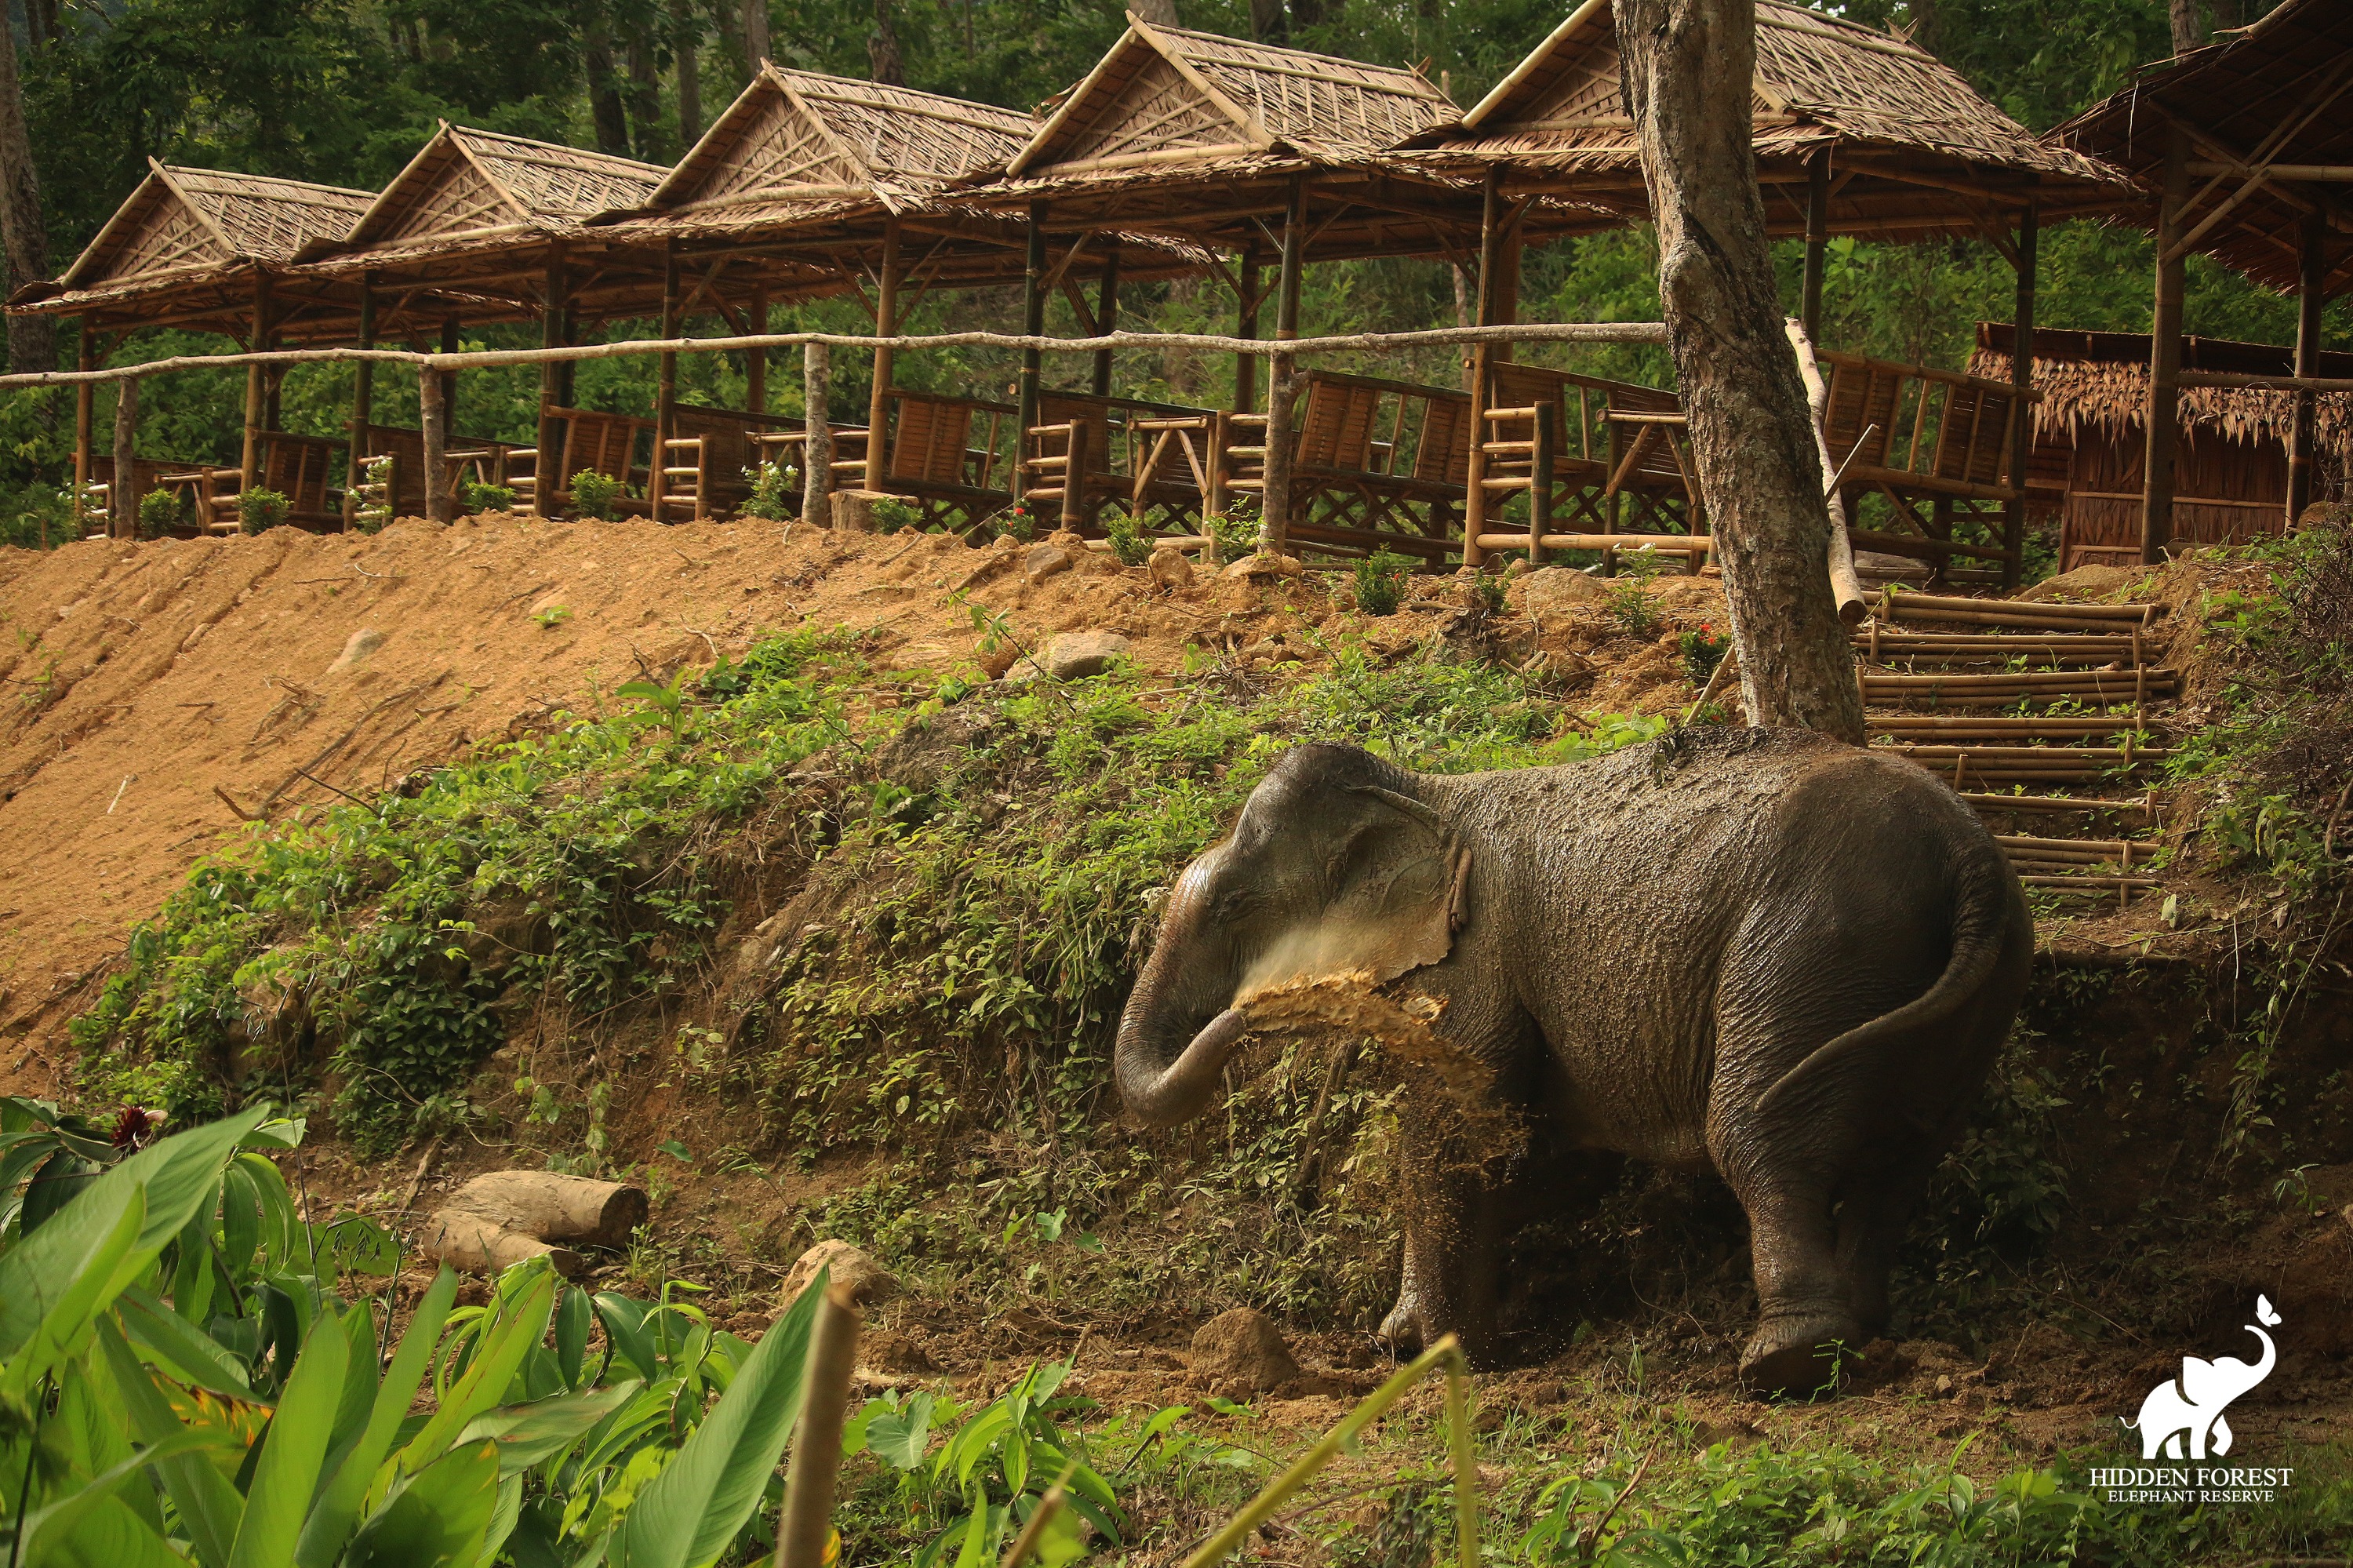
(1230, 905)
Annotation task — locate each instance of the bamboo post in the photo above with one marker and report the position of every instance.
(2021, 410)
(806, 1520)
(249, 457)
(1074, 478)
(85, 416)
(432, 395)
(1033, 324)
(1106, 316)
(666, 388)
(1246, 325)
(1491, 263)
(2312, 274)
(363, 407)
(2165, 357)
(886, 322)
(755, 361)
(449, 345)
(1217, 461)
(816, 438)
(122, 492)
(1818, 237)
(1540, 456)
(548, 466)
(1274, 519)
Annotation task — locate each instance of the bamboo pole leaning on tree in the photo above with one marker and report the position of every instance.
(1845, 586)
(1688, 69)
(816, 438)
(806, 1522)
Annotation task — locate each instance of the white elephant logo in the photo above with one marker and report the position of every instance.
(2187, 1412)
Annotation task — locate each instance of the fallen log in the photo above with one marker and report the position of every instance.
(504, 1217)
(478, 1244)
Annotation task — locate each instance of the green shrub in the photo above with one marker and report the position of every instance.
(1627, 601)
(260, 510)
(1380, 581)
(1236, 536)
(159, 514)
(772, 495)
(891, 514)
(1128, 544)
(593, 495)
(1702, 651)
(36, 517)
(1014, 523)
(480, 497)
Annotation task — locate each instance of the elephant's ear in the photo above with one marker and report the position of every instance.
(1399, 881)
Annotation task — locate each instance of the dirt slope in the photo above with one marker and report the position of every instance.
(147, 682)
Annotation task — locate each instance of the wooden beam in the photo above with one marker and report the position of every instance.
(1246, 295)
(2317, 173)
(2022, 403)
(1818, 236)
(1033, 324)
(1274, 497)
(548, 466)
(665, 395)
(2311, 282)
(756, 360)
(1490, 266)
(1106, 316)
(363, 407)
(250, 453)
(432, 419)
(2164, 357)
(85, 415)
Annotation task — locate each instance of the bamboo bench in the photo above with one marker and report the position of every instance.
(397, 453)
(593, 442)
(707, 463)
(296, 467)
(933, 458)
(1379, 464)
(1087, 453)
(1614, 454)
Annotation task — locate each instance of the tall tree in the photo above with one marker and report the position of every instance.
(1689, 67)
(32, 340)
(686, 45)
(1270, 22)
(883, 57)
(605, 109)
(2188, 18)
(756, 33)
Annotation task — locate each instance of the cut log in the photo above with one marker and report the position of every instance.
(478, 1244)
(554, 1207)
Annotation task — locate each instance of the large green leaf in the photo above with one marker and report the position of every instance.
(529, 1434)
(209, 1507)
(293, 1451)
(331, 1522)
(49, 1528)
(180, 1348)
(180, 1174)
(78, 1293)
(438, 1519)
(110, 1535)
(690, 1512)
(518, 1331)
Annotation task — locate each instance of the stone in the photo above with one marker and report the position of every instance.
(1264, 567)
(853, 510)
(1044, 561)
(1878, 567)
(1554, 590)
(860, 1277)
(1076, 656)
(1241, 1352)
(2083, 582)
(356, 648)
(1169, 569)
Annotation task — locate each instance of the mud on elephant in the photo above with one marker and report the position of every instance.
(1763, 951)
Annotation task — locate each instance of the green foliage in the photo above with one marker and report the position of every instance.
(1236, 533)
(554, 616)
(1014, 523)
(1380, 581)
(1128, 544)
(1626, 600)
(478, 496)
(160, 513)
(260, 510)
(772, 495)
(1702, 651)
(36, 517)
(593, 495)
(891, 514)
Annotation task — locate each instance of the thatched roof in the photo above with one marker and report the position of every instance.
(2279, 93)
(468, 186)
(2096, 383)
(1914, 151)
(794, 144)
(181, 223)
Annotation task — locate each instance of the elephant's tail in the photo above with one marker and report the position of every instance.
(1990, 904)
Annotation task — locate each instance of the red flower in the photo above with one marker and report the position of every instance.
(135, 1127)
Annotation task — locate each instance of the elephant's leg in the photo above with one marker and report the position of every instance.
(1871, 1221)
(1453, 1241)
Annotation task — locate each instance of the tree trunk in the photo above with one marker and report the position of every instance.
(32, 340)
(755, 34)
(644, 100)
(605, 108)
(686, 41)
(2188, 18)
(883, 48)
(1270, 24)
(1688, 68)
(1159, 13)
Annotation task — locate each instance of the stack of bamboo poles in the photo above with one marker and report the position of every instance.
(1999, 696)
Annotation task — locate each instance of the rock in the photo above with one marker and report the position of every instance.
(1076, 656)
(994, 661)
(861, 1278)
(1554, 590)
(1241, 1352)
(2083, 582)
(1264, 567)
(1878, 567)
(1169, 569)
(360, 644)
(1044, 561)
(853, 510)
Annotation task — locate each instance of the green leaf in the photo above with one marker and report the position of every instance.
(111, 1535)
(624, 1323)
(690, 1512)
(87, 1282)
(517, 1333)
(440, 1517)
(180, 1174)
(180, 1348)
(898, 1437)
(529, 1434)
(292, 1451)
(46, 1528)
(209, 1507)
(571, 1320)
(330, 1524)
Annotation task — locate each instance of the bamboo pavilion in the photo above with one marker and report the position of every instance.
(2245, 150)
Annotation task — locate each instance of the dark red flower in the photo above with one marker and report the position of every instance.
(135, 1127)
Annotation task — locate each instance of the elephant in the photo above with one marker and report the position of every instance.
(2189, 1409)
(1762, 950)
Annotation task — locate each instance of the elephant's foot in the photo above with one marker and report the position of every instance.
(1796, 1354)
(1409, 1329)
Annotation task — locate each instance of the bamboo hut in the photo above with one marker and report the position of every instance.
(809, 185)
(1856, 132)
(2245, 149)
(2091, 438)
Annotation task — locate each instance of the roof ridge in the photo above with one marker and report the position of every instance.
(1407, 71)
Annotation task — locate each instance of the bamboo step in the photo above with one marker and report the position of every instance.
(1904, 604)
(2118, 885)
(1511, 413)
(2040, 727)
(2146, 808)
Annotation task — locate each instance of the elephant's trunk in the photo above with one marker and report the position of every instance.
(1178, 1030)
